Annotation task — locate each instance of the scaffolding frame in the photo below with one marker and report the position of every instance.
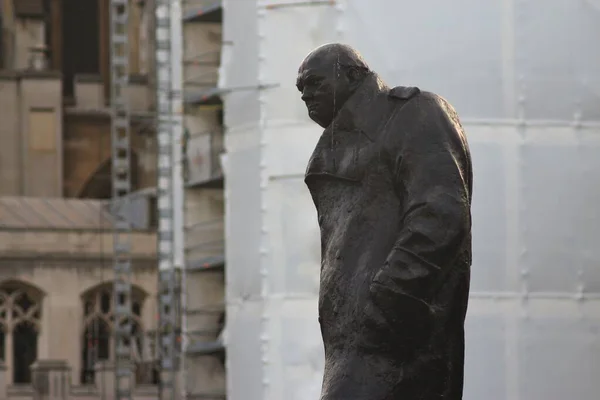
(204, 251)
(170, 190)
(121, 188)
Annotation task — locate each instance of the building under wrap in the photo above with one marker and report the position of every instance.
(524, 76)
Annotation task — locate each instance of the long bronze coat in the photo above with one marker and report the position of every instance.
(391, 181)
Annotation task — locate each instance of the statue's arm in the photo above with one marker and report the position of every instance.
(433, 177)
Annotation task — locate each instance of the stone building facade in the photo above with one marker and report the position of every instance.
(54, 80)
(56, 269)
(56, 294)
(56, 261)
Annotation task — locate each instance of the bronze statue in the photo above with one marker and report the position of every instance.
(391, 181)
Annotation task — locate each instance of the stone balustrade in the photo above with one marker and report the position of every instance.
(51, 380)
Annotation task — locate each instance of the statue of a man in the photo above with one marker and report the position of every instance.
(391, 181)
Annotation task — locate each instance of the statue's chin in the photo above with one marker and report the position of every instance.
(315, 117)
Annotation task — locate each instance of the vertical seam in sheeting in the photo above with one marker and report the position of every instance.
(516, 273)
(577, 116)
(264, 268)
(339, 26)
(515, 259)
(577, 119)
(508, 57)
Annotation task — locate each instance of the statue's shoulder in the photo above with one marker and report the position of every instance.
(427, 100)
(404, 92)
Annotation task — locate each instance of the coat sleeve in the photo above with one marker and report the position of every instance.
(432, 169)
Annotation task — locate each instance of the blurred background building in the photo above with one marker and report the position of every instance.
(202, 365)
(217, 144)
(57, 310)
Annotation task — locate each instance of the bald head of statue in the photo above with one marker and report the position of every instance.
(327, 77)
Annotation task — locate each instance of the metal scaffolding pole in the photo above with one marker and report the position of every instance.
(170, 186)
(121, 188)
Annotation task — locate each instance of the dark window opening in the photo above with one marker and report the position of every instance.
(24, 302)
(153, 220)
(105, 302)
(81, 41)
(96, 348)
(136, 309)
(88, 308)
(25, 352)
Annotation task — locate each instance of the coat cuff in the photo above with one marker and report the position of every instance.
(406, 273)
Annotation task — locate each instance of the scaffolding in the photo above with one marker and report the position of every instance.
(170, 189)
(203, 353)
(121, 188)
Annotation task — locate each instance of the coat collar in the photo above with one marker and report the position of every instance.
(341, 148)
(360, 112)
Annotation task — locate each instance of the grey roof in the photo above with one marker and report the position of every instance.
(38, 213)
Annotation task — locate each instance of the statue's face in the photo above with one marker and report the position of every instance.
(325, 88)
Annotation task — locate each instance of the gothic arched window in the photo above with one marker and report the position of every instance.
(98, 324)
(20, 321)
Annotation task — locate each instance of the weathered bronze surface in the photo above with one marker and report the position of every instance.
(391, 180)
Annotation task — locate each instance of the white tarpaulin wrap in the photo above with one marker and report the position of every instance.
(524, 76)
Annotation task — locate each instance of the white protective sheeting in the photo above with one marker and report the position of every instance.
(524, 77)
